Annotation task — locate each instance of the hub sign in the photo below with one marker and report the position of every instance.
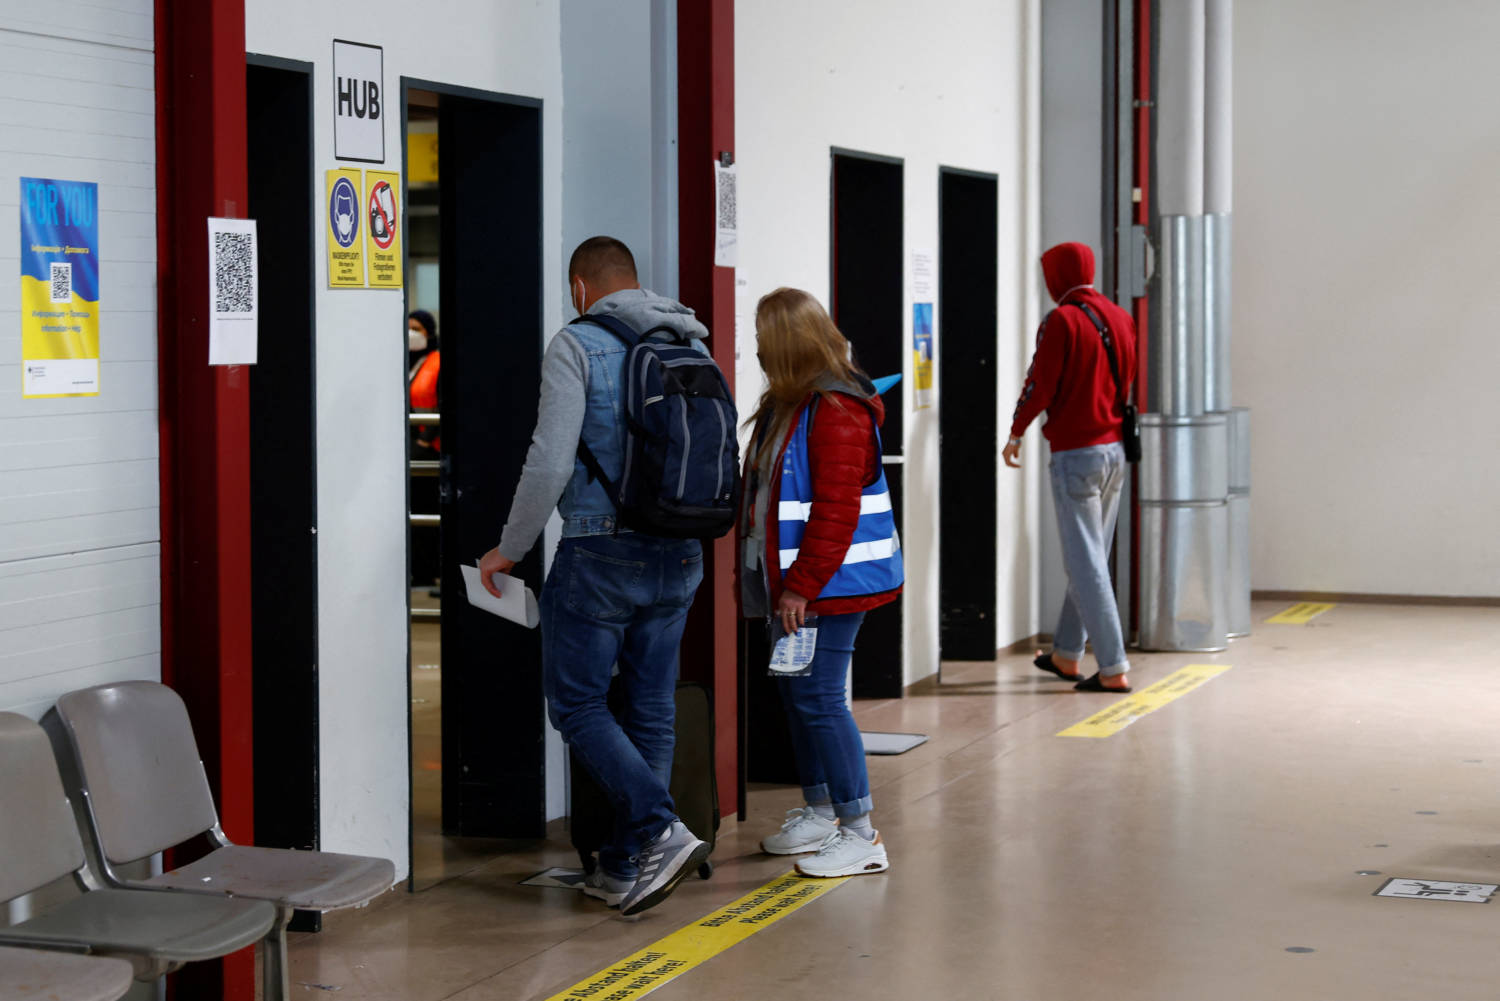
(359, 103)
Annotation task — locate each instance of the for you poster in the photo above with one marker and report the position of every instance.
(59, 288)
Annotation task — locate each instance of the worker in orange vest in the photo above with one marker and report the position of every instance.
(423, 361)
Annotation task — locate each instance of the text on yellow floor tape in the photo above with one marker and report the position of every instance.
(1299, 614)
(639, 974)
(1110, 721)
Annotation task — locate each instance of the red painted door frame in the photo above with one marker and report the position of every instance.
(705, 129)
(204, 421)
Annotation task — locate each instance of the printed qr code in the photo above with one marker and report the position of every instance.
(234, 273)
(62, 282)
(728, 205)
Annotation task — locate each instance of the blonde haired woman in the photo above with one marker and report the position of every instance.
(818, 538)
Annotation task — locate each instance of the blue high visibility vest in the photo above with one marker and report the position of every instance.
(872, 564)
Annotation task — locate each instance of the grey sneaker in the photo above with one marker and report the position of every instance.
(663, 862)
(602, 886)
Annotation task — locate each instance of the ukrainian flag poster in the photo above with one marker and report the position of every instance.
(59, 288)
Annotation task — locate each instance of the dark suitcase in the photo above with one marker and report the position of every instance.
(694, 787)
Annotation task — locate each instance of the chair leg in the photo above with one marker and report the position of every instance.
(275, 978)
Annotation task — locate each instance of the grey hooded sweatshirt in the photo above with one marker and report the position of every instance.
(550, 462)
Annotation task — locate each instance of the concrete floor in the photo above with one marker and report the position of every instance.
(1180, 859)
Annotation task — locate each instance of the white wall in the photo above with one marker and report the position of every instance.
(1365, 323)
(1072, 126)
(945, 84)
(508, 46)
(619, 173)
(80, 554)
(609, 146)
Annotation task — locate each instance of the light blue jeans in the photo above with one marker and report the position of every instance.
(1086, 490)
(830, 752)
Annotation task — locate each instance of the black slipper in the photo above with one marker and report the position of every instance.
(1044, 661)
(1093, 684)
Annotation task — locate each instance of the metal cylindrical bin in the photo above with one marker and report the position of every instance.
(1239, 522)
(1184, 533)
(1183, 458)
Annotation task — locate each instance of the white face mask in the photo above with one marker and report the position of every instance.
(416, 340)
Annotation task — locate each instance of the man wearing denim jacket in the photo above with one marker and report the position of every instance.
(1071, 378)
(613, 595)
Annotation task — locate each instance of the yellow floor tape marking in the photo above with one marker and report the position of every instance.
(1299, 614)
(643, 972)
(1108, 722)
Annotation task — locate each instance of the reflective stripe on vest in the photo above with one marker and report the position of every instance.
(872, 564)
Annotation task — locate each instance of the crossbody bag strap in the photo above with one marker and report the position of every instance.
(1109, 349)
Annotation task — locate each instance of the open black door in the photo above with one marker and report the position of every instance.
(283, 457)
(866, 303)
(967, 288)
(490, 194)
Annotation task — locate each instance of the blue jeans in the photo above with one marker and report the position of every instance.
(1086, 490)
(830, 753)
(619, 599)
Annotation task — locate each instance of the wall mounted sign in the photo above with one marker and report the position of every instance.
(59, 288)
(346, 249)
(359, 104)
(923, 294)
(382, 227)
(233, 280)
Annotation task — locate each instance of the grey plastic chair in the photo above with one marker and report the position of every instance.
(144, 790)
(34, 975)
(40, 844)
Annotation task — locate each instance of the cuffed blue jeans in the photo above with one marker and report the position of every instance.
(1086, 486)
(619, 599)
(830, 753)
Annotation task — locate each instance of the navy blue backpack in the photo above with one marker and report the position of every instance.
(681, 478)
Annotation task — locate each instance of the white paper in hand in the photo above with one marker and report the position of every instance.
(516, 602)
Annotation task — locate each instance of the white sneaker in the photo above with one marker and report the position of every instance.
(845, 853)
(602, 886)
(803, 831)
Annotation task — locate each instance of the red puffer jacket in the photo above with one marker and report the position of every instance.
(844, 459)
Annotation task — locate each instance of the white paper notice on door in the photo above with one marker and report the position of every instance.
(726, 215)
(233, 278)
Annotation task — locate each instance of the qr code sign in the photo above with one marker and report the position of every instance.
(62, 282)
(728, 202)
(234, 273)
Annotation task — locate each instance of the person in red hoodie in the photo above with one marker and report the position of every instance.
(1073, 380)
(818, 549)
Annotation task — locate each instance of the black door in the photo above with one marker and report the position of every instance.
(867, 283)
(490, 291)
(283, 457)
(967, 277)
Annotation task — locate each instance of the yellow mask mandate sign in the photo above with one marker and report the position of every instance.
(346, 248)
(59, 288)
(382, 230)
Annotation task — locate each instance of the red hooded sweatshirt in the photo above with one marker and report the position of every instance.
(1070, 376)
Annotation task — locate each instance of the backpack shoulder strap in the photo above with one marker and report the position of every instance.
(614, 325)
(624, 331)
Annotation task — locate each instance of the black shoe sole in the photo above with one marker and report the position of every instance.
(656, 896)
